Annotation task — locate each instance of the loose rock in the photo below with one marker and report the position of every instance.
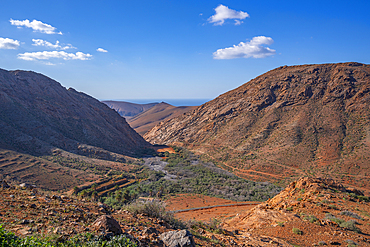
(106, 223)
(182, 238)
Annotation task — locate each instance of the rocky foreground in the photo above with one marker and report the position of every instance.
(309, 212)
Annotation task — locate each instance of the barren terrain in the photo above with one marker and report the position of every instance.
(293, 121)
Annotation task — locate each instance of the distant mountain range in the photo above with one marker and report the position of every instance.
(286, 123)
(143, 117)
(127, 109)
(146, 120)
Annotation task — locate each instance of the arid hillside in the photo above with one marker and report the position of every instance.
(309, 212)
(288, 122)
(146, 120)
(37, 114)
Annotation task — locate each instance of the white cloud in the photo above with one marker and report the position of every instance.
(40, 42)
(223, 13)
(6, 43)
(45, 55)
(101, 50)
(252, 48)
(50, 64)
(36, 26)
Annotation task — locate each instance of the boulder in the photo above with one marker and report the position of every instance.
(27, 186)
(181, 238)
(106, 223)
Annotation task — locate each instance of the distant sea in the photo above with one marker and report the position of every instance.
(174, 102)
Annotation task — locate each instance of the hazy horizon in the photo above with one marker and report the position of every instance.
(174, 102)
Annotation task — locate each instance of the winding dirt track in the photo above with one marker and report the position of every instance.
(215, 206)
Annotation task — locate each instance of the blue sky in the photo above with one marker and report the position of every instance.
(157, 49)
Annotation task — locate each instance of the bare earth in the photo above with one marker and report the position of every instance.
(189, 201)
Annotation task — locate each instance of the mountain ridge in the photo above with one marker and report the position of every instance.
(146, 120)
(37, 114)
(289, 121)
(128, 109)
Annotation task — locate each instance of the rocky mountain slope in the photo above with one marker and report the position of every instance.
(156, 114)
(38, 114)
(288, 122)
(127, 109)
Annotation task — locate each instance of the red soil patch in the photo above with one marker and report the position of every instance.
(188, 201)
(163, 148)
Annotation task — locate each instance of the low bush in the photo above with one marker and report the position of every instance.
(311, 218)
(351, 243)
(154, 209)
(351, 214)
(297, 231)
(8, 239)
(359, 197)
(350, 225)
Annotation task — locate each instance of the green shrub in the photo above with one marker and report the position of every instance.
(361, 198)
(351, 243)
(154, 209)
(351, 214)
(311, 218)
(214, 226)
(350, 225)
(8, 239)
(297, 231)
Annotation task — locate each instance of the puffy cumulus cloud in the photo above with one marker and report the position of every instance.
(37, 26)
(101, 50)
(253, 48)
(40, 42)
(6, 43)
(223, 13)
(45, 55)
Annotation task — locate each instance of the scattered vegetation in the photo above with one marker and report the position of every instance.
(350, 225)
(351, 214)
(351, 243)
(154, 209)
(297, 231)
(280, 223)
(311, 218)
(8, 239)
(359, 197)
(186, 173)
(214, 225)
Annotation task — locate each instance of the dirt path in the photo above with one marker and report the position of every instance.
(234, 169)
(215, 206)
(200, 207)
